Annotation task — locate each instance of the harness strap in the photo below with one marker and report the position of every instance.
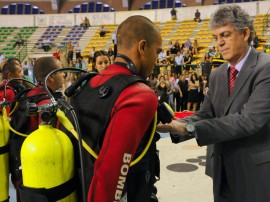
(4, 149)
(53, 194)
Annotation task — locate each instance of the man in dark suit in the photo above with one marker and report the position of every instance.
(235, 115)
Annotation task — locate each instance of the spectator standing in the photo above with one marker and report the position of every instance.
(111, 54)
(70, 52)
(173, 14)
(183, 92)
(195, 47)
(114, 40)
(178, 62)
(77, 50)
(193, 86)
(91, 55)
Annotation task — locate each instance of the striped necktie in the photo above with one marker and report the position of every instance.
(232, 77)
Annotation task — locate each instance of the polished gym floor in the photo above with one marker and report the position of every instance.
(182, 177)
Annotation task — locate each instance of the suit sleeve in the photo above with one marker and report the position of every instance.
(250, 119)
(131, 117)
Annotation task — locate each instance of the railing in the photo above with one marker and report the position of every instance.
(26, 48)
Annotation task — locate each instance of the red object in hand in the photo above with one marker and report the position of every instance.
(180, 115)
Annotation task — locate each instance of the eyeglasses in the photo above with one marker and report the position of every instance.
(224, 36)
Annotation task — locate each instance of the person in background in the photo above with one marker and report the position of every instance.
(114, 41)
(77, 50)
(46, 44)
(235, 115)
(91, 55)
(178, 62)
(101, 61)
(195, 47)
(111, 54)
(173, 14)
(193, 86)
(70, 48)
(86, 23)
(19, 41)
(197, 16)
(78, 63)
(162, 90)
(183, 92)
(102, 31)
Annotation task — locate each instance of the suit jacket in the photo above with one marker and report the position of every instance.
(239, 127)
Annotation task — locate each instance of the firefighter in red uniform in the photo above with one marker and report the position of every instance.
(10, 70)
(130, 117)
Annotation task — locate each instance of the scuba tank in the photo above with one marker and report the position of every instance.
(47, 161)
(4, 156)
(4, 142)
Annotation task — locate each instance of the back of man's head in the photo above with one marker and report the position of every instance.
(134, 29)
(9, 67)
(43, 66)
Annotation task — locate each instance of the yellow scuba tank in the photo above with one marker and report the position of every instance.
(4, 165)
(47, 160)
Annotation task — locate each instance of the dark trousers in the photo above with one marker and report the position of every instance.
(176, 97)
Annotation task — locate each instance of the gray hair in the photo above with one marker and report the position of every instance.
(232, 15)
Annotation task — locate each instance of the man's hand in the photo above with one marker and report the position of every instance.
(175, 127)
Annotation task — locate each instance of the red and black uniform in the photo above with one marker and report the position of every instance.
(10, 94)
(122, 138)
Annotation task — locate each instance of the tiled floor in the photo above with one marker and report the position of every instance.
(182, 173)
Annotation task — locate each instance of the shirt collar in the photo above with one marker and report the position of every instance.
(239, 65)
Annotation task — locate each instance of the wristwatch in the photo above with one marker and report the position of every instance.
(190, 127)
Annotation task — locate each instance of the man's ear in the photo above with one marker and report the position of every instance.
(246, 33)
(9, 75)
(142, 46)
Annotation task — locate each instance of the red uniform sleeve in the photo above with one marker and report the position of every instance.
(10, 95)
(132, 115)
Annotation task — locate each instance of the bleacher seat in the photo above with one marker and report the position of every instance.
(27, 9)
(147, 6)
(230, 1)
(20, 8)
(238, 1)
(221, 1)
(91, 7)
(106, 8)
(170, 3)
(12, 8)
(84, 7)
(35, 10)
(162, 4)
(4, 10)
(155, 4)
(98, 7)
(76, 9)
(178, 4)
